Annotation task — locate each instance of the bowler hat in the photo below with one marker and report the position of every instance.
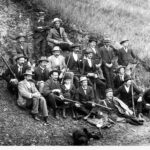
(75, 45)
(83, 78)
(92, 38)
(43, 58)
(51, 72)
(127, 78)
(88, 50)
(56, 19)
(124, 41)
(119, 67)
(28, 72)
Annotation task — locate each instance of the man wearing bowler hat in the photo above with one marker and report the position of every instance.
(58, 36)
(30, 97)
(41, 73)
(18, 69)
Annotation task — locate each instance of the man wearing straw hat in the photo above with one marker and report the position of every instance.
(30, 97)
(58, 36)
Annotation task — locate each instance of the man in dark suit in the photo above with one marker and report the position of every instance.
(41, 73)
(39, 36)
(125, 94)
(90, 69)
(84, 95)
(73, 62)
(52, 92)
(126, 55)
(58, 36)
(23, 47)
(107, 53)
(18, 69)
(119, 78)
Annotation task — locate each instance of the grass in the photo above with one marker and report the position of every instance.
(117, 18)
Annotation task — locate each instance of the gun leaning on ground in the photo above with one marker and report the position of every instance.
(14, 75)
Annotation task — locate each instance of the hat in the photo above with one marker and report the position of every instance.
(56, 19)
(119, 67)
(75, 45)
(83, 78)
(68, 77)
(51, 72)
(56, 48)
(20, 56)
(108, 90)
(127, 78)
(88, 50)
(123, 41)
(92, 38)
(43, 58)
(28, 72)
(20, 35)
(106, 40)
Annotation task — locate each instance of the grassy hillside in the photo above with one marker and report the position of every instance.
(118, 18)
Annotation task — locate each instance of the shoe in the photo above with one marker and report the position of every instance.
(46, 123)
(140, 117)
(35, 117)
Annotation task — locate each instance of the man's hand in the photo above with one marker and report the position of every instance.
(61, 97)
(36, 95)
(93, 104)
(14, 81)
(139, 99)
(77, 105)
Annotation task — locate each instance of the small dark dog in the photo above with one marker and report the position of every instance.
(82, 137)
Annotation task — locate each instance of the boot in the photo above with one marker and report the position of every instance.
(35, 117)
(64, 113)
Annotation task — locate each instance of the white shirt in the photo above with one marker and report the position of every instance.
(67, 86)
(93, 50)
(90, 62)
(126, 50)
(84, 89)
(127, 88)
(75, 56)
(20, 68)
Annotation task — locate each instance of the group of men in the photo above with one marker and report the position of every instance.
(75, 79)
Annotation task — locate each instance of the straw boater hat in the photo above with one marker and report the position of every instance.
(56, 48)
(43, 58)
(83, 78)
(106, 40)
(20, 56)
(20, 35)
(28, 72)
(75, 45)
(119, 67)
(88, 51)
(55, 20)
(127, 78)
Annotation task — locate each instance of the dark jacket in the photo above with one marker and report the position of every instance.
(68, 93)
(39, 75)
(87, 69)
(7, 75)
(49, 86)
(124, 58)
(39, 33)
(73, 65)
(146, 96)
(107, 56)
(127, 97)
(82, 97)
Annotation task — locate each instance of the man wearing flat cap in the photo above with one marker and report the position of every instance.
(18, 69)
(58, 36)
(30, 97)
(39, 36)
(126, 55)
(41, 73)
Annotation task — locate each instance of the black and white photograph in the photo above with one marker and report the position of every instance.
(74, 73)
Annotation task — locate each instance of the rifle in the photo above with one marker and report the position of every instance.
(14, 75)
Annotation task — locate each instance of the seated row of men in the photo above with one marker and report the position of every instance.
(51, 86)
